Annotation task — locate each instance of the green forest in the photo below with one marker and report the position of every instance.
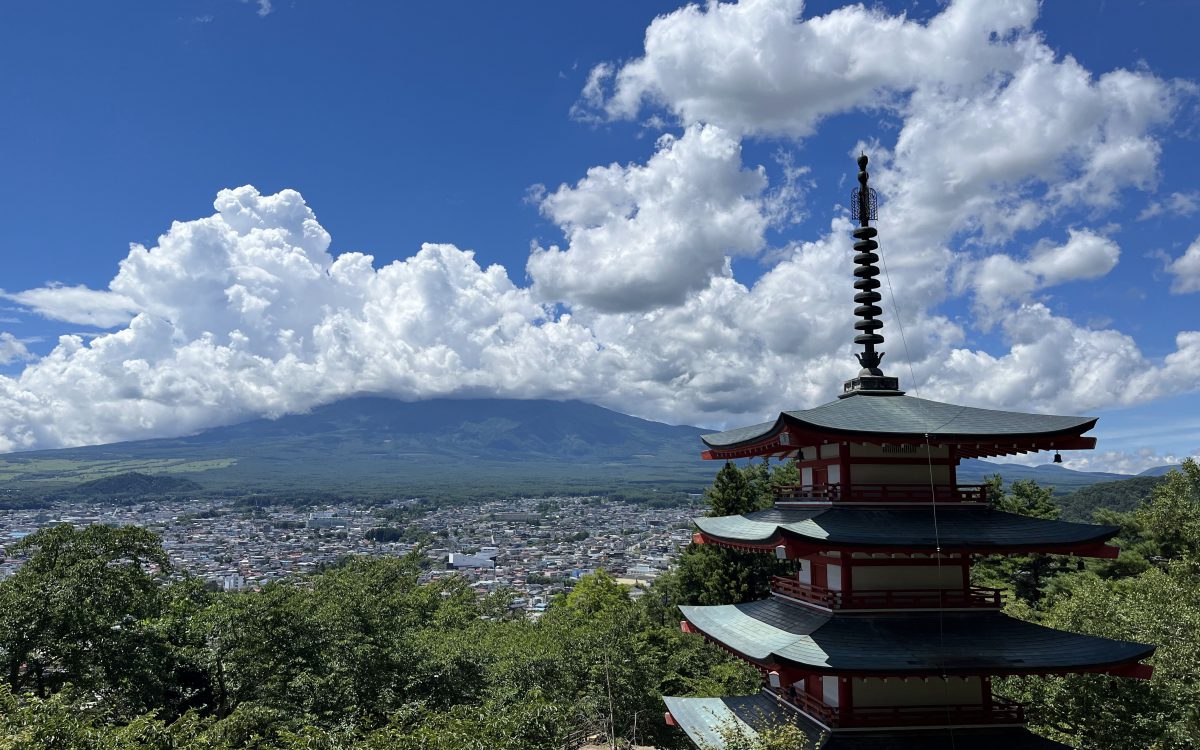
(104, 647)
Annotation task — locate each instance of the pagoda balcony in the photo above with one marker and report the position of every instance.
(996, 711)
(975, 597)
(880, 493)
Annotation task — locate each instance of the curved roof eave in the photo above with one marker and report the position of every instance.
(866, 528)
(904, 416)
(773, 630)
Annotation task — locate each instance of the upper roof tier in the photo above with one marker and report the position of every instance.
(777, 632)
(863, 417)
(703, 719)
(957, 529)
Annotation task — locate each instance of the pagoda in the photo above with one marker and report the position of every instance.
(878, 640)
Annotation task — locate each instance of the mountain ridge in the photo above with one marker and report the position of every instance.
(448, 445)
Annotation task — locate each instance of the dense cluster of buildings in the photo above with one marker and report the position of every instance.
(533, 546)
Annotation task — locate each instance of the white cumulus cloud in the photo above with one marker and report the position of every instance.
(12, 349)
(1186, 270)
(78, 304)
(999, 279)
(643, 236)
(246, 312)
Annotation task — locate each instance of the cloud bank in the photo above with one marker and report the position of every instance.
(247, 312)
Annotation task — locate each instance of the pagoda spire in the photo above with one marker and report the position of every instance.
(870, 379)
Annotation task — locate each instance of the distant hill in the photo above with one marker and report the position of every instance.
(132, 484)
(442, 446)
(1061, 479)
(1158, 471)
(1123, 496)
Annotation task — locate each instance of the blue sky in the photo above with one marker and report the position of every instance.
(1037, 170)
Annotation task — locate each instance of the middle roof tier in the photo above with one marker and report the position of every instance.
(951, 529)
(778, 632)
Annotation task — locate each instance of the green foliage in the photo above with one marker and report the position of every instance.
(734, 490)
(413, 534)
(1122, 496)
(364, 656)
(1150, 595)
(1026, 578)
(1099, 711)
(710, 574)
(131, 485)
(597, 595)
(1024, 497)
(1172, 518)
(82, 610)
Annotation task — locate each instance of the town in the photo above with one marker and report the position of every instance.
(534, 547)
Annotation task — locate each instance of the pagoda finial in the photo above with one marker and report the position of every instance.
(864, 206)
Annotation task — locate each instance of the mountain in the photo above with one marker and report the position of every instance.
(1158, 471)
(1063, 480)
(442, 446)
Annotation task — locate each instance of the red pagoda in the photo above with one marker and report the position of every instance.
(879, 640)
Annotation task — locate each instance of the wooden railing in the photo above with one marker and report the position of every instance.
(998, 711)
(975, 596)
(814, 707)
(882, 493)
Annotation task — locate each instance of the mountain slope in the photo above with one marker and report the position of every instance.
(381, 444)
(438, 447)
(1048, 475)
(1123, 496)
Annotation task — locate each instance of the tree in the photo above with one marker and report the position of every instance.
(1172, 517)
(711, 574)
(1155, 603)
(80, 611)
(361, 656)
(597, 594)
(1098, 711)
(1026, 577)
(736, 491)
(1025, 497)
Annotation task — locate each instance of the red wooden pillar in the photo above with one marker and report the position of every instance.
(820, 577)
(952, 465)
(844, 461)
(847, 574)
(845, 699)
(812, 685)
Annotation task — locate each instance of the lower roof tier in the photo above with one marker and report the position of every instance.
(702, 719)
(953, 529)
(776, 631)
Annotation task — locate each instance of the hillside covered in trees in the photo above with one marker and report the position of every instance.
(103, 647)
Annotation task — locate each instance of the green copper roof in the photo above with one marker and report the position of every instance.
(703, 718)
(775, 630)
(966, 527)
(905, 416)
(700, 719)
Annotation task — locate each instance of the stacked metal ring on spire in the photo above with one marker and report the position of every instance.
(866, 284)
(867, 298)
